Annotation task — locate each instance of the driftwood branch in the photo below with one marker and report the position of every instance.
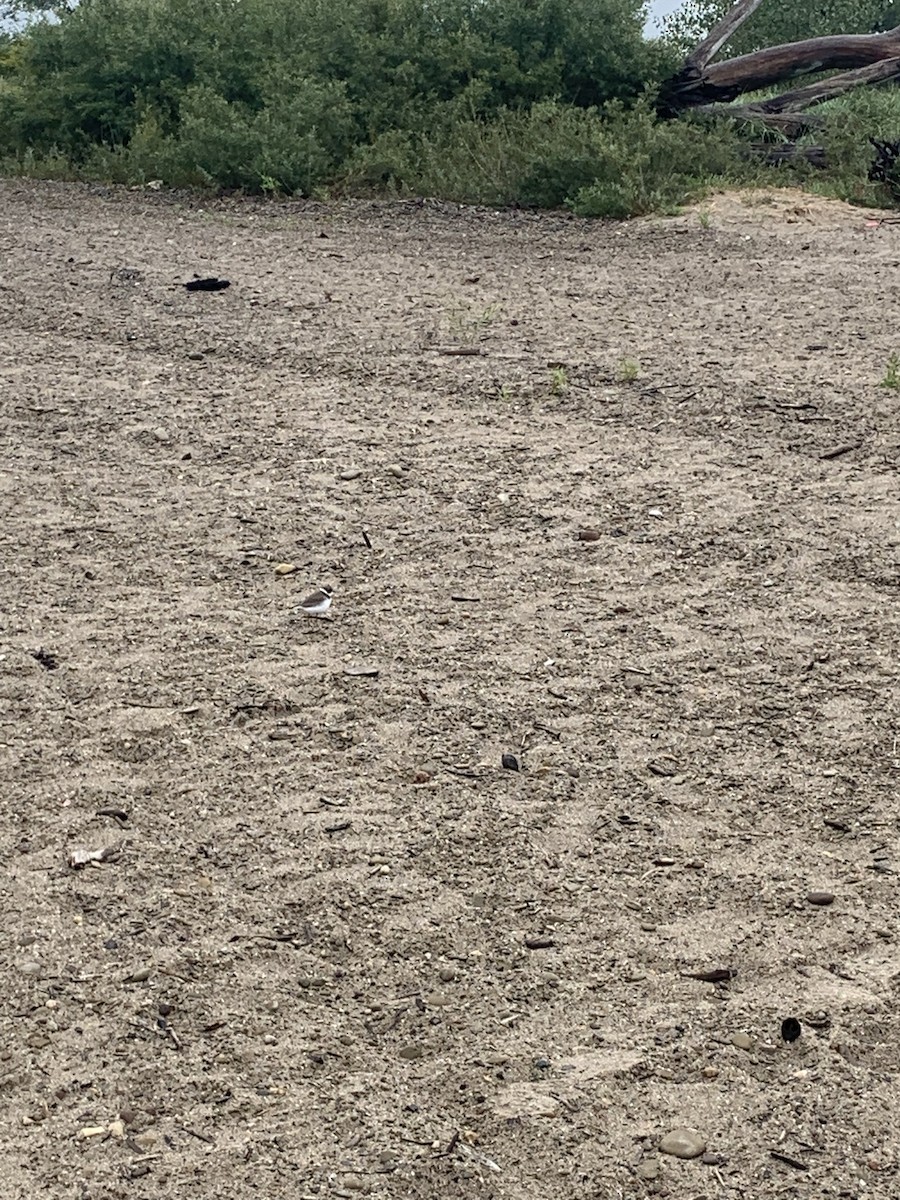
(702, 82)
(775, 156)
(700, 58)
(706, 87)
(791, 124)
(835, 85)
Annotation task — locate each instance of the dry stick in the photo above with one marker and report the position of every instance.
(837, 451)
(791, 1162)
(203, 1137)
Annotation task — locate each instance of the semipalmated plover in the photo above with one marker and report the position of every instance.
(316, 604)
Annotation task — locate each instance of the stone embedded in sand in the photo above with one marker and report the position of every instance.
(820, 898)
(648, 1169)
(743, 1041)
(521, 1100)
(412, 1052)
(683, 1143)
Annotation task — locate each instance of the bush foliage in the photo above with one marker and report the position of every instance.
(533, 102)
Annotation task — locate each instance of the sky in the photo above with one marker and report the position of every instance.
(660, 8)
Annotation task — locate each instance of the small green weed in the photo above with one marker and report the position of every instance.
(467, 322)
(892, 373)
(627, 371)
(559, 380)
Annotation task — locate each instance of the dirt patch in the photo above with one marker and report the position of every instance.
(788, 206)
(330, 946)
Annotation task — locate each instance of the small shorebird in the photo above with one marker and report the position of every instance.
(316, 604)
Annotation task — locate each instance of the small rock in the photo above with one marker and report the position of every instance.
(683, 1143)
(286, 568)
(523, 1100)
(664, 766)
(820, 898)
(588, 535)
(538, 941)
(710, 1072)
(139, 976)
(648, 1169)
(510, 762)
(791, 1029)
(30, 966)
(311, 981)
(410, 1053)
(90, 1131)
(743, 1041)
(396, 470)
(446, 974)
(713, 1160)
(349, 474)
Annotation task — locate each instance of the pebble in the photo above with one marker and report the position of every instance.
(30, 966)
(350, 473)
(820, 898)
(743, 1041)
(588, 535)
(446, 974)
(353, 1183)
(524, 1100)
(396, 470)
(141, 975)
(411, 1052)
(648, 1169)
(311, 981)
(683, 1143)
(438, 1000)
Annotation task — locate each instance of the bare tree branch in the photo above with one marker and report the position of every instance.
(835, 85)
(702, 82)
(720, 33)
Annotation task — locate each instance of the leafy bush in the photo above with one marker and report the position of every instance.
(534, 102)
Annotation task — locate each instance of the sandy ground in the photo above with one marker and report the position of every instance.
(334, 947)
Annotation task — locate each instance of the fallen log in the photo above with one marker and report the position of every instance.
(865, 59)
(776, 156)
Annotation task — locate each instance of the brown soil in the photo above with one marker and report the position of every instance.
(304, 968)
